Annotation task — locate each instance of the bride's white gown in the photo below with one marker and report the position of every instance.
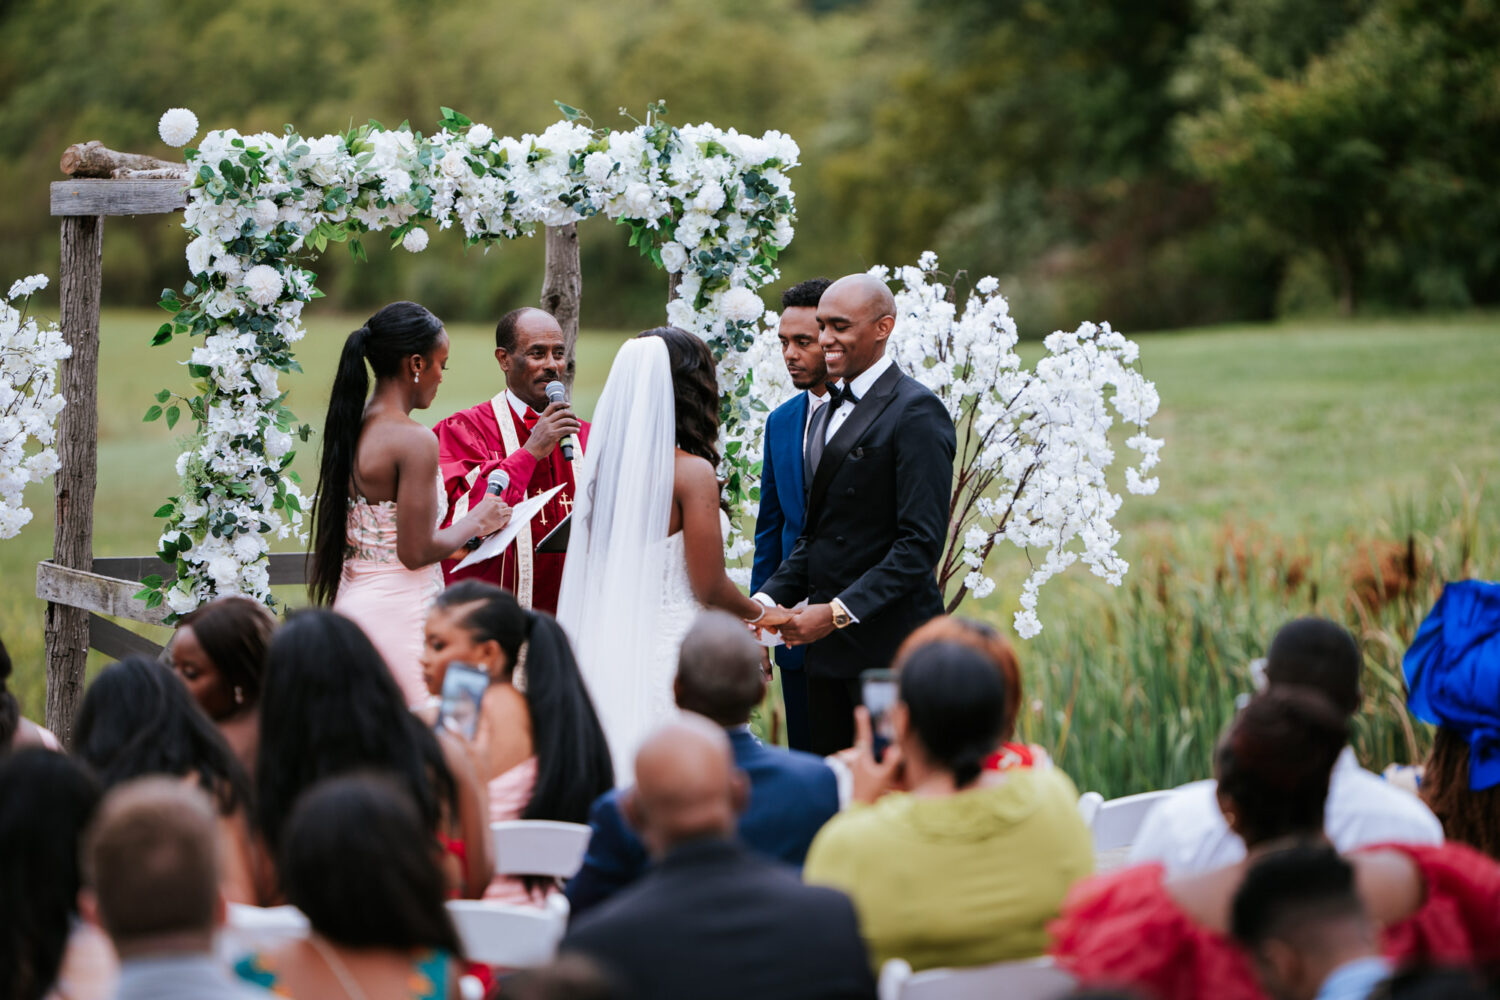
(626, 600)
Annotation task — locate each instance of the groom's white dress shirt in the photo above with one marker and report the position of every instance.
(860, 385)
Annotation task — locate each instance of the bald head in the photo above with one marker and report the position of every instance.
(686, 785)
(719, 671)
(855, 317)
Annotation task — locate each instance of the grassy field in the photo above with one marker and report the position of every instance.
(1292, 445)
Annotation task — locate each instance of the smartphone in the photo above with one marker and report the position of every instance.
(878, 691)
(463, 690)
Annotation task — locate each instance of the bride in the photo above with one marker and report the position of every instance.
(646, 549)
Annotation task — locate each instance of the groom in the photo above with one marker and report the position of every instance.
(879, 468)
(518, 431)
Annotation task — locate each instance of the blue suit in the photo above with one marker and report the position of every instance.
(783, 502)
(792, 794)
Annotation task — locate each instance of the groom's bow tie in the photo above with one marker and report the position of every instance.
(837, 396)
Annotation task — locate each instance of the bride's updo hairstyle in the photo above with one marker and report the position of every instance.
(696, 389)
(388, 338)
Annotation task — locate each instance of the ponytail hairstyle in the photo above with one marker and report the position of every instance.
(955, 703)
(572, 755)
(388, 338)
(10, 709)
(695, 388)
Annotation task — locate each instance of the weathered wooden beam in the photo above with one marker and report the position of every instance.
(67, 628)
(95, 159)
(81, 590)
(562, 287)
(285, 567)
(118, 642)
(121, 197)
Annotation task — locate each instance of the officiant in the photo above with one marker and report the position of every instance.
(521, 432)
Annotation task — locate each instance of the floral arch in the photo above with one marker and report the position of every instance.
(706, 204)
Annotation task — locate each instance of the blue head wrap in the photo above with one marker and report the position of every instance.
(1453, 673)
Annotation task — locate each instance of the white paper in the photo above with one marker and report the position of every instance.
(521, 514)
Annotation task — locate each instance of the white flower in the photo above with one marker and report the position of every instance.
(741, 305)
(673, 257)
(415, 241)
(480, 136)
(25, 287)
(266, 213)
(710, 199)
(263, 284)
(177, 127)
(181, 601)
(638, 201)
(199, 254)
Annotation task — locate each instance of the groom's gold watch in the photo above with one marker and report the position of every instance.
(841, 616)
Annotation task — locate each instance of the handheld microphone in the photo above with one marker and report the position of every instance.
(494, 486)
(556, 394)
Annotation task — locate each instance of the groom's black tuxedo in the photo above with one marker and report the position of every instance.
(877, 517)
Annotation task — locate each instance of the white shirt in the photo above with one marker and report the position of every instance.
(861, 385)
(1187, 833)
(517, 405)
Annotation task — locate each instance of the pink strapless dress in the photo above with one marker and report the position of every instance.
(384, 598)
(508, 795)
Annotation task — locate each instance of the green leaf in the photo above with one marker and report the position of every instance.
(174, 412)
(154, 599)
(151, 414)
(165, 510)
(163, 396)
(162, 335)
(151, 582)
(292, 502)
(571, 113)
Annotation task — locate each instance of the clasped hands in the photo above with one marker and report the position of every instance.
(797, 627)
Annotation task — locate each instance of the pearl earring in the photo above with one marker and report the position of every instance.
(239, 695)
(417, 377)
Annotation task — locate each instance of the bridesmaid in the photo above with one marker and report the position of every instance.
(375, 544)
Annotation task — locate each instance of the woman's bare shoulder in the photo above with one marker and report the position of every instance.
(693, 471)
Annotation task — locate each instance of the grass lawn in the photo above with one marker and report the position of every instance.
(1315, 430)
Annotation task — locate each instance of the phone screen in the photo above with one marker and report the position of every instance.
(463, 691)
(878, 690)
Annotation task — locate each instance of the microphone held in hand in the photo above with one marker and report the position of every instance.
(556, 394)
(494, 486)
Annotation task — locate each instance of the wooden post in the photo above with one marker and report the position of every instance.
(562, 286)
(67, 628)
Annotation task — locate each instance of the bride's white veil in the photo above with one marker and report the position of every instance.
(612, 581)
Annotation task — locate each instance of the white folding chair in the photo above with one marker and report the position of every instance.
(1088, 807)
(1029, 979)
(1118, 820)
(250, 929)
(515, 937)
(539, 847)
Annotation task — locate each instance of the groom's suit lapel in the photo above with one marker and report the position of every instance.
(866, 411)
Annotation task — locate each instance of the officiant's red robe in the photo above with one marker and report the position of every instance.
(470, 447)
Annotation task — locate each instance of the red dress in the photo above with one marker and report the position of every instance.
(470, 447)
(1125, 929)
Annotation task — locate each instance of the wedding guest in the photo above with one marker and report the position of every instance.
(375, 550)
(1298, 915)
(539, 748)
(46, 801)
(151, 862)
(1166, 935)
(710, 918)
(519, 431)
(358, 859)
(219, 651)
(138, 719)
(15, 729)
(948, 863)
(783, 482)
(1002, 656)
(1187, 832)
(1453, 679)
(329, 707)
(792, 794)
(880, 461)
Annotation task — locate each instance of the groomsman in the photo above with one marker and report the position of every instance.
(519, 431)
(879, 461)
(783, 487)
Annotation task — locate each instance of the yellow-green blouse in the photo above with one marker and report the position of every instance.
(965, 879)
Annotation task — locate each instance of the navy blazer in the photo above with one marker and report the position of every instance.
(783, 501)
(711, 919)
(792, 794)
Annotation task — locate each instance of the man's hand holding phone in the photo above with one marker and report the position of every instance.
(872, 778)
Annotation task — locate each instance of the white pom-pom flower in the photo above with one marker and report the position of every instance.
(741, 305)
(263, 284)
(177, 127)
(415, 241)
